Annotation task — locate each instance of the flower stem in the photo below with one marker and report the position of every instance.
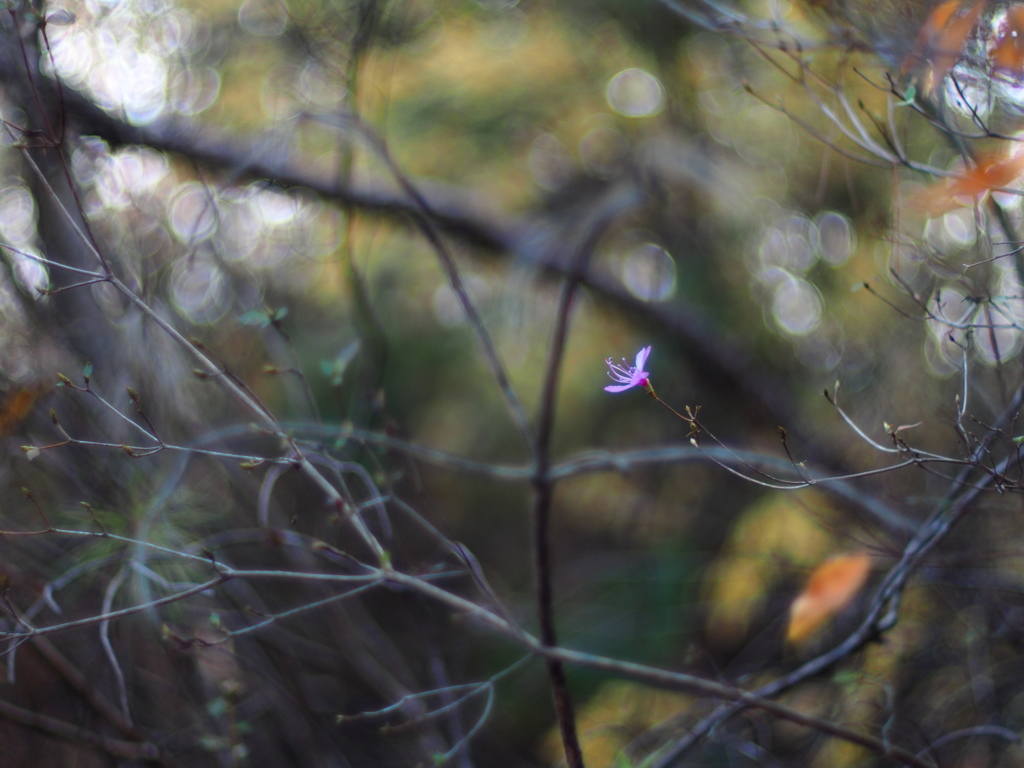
(690, 417)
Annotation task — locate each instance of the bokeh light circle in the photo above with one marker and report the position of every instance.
(837, 239)
(635, 93)
(797, 306)
(200, 291)
(649, 272)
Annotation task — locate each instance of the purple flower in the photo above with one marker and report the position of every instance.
(629, 376)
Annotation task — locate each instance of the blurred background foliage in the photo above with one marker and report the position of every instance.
(224, 174)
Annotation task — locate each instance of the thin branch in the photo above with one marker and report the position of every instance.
(543, 485)
(129, 750)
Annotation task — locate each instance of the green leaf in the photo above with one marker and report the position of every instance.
(256, 317)
(909, 97)
(335, 369)
(847, 677)
(217, 707)
(212, 743)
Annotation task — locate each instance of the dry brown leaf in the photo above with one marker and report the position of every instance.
(970, 187)
(830, 588)
(1008, 52)
(15, 407)
(941, 39)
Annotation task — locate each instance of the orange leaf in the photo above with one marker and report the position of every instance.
(990, 172)
(830, 588)
(1008, 51)
(941, 38)
(15, 407)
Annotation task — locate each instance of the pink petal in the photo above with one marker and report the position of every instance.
(619, 388)
(641, 359)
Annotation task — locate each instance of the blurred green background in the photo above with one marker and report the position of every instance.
(226, 176)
